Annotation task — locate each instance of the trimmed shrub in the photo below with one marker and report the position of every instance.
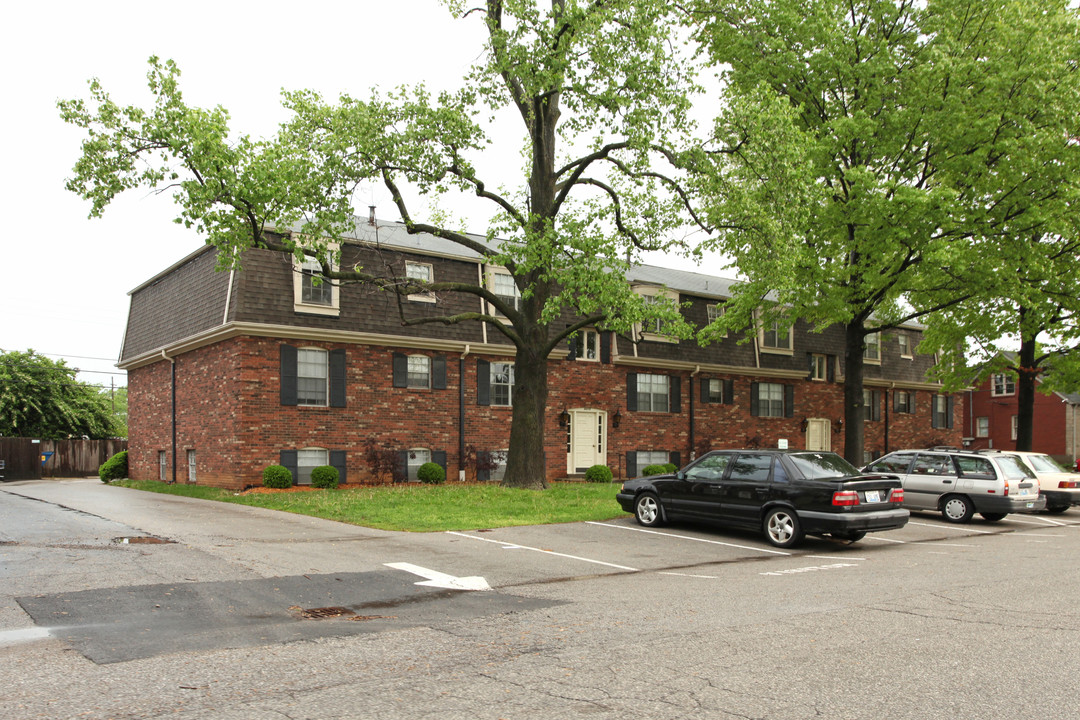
(654, 470)
(277, 476)
(114, 468)
(599, 474)
(325, 477)
(670, 468)
(431, 473)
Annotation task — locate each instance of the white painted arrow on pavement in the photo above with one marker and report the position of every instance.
(442, 580)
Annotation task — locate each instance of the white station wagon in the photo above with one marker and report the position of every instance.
(959, 484)
(1060, 487)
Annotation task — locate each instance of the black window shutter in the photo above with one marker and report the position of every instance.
(729, 392)
(438, 372)
(934, 417)
(483, 382)
(403, 465)
(288, 375)
(830, 368)
(949, 412)
(572, 343)
(337, 377)
(896, 400)
(810, 366)
(631, 391)
(676, 459)
(483, 457)
(337, 460)
(401, 370)
(675, 392)
(287, 459)
(705, 382)
(789, 401)
(439, 458)
(754, 399)
(631, 464)
(911, 402)
(605, 347)
(875, 401)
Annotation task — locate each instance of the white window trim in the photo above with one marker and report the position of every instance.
(770, 401)
(490, 273)
(667, 392)
(653, 291)
(491, 385)
(872, 360)
(823, 366)
(982, 427)
(300, 466)
(326, 393)
(713, 312)
(334, 308)
(583, 340)
(192, 465)
(427, 297)
(993, 386)
(426, 386)
(411, 462)
(909, 355)
(1014, 424)
(769, 349)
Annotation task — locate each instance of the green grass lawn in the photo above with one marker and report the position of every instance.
(425, 508)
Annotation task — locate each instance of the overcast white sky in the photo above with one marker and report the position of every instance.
(65, 278)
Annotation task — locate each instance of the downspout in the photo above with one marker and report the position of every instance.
(172, 384)
(693, 443)
(228, 298)
(461, 414)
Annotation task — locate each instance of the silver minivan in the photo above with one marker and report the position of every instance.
(959, 484)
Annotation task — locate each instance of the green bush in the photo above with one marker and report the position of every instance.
(114, 468)
(598, 474)
(431, 473)
(669, 468)
(325, 477)
(277, 476)
(656, 470)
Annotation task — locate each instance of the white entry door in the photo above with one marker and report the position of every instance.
(588, 435)
(818, 435)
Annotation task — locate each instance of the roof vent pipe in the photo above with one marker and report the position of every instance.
(371, 215)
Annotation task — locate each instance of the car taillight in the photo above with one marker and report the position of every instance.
(1067, 484)
(1006, 488)
(845, 498)
(897, 495)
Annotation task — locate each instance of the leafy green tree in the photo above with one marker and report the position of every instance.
(116, 400)
(891, 148)
(599, 101)
(41, 398)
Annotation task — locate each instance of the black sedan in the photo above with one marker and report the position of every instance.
(784, 493)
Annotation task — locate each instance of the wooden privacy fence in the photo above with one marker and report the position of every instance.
(21, 458)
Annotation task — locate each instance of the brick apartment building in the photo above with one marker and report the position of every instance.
(229, 372)
(990, 412)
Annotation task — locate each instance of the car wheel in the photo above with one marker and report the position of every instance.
(993, 517)
(1056, 509)
(647, 510)
(782, 527)
(852, 536)
(957, 509)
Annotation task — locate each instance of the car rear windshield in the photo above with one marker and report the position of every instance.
(817, 466)
(1044, 463)
(1014, 469)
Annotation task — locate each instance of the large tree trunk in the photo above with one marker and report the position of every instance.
(525, 465)
(854, 339)
(1025, 394)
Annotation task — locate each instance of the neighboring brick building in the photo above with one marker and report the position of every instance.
(232, 371)
(990, 419)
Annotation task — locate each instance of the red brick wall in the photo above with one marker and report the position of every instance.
(1049, 421)
(229, 412)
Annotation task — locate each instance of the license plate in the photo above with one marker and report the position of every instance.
(873, 496)
(1031, 504)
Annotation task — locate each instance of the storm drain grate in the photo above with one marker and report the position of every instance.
(327, 613)
(142, 540)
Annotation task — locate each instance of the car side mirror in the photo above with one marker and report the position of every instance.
(680, 475)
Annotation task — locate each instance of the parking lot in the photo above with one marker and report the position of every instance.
(559, 620)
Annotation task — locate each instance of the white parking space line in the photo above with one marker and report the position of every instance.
(515, 546)
(830, 557)
(12, 637)
(703, 577)
(964, 528)
(881, 539)
(1027, 535)
(688, 537)
(1034, 521)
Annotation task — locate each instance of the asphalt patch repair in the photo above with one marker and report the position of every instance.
(113, 625)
